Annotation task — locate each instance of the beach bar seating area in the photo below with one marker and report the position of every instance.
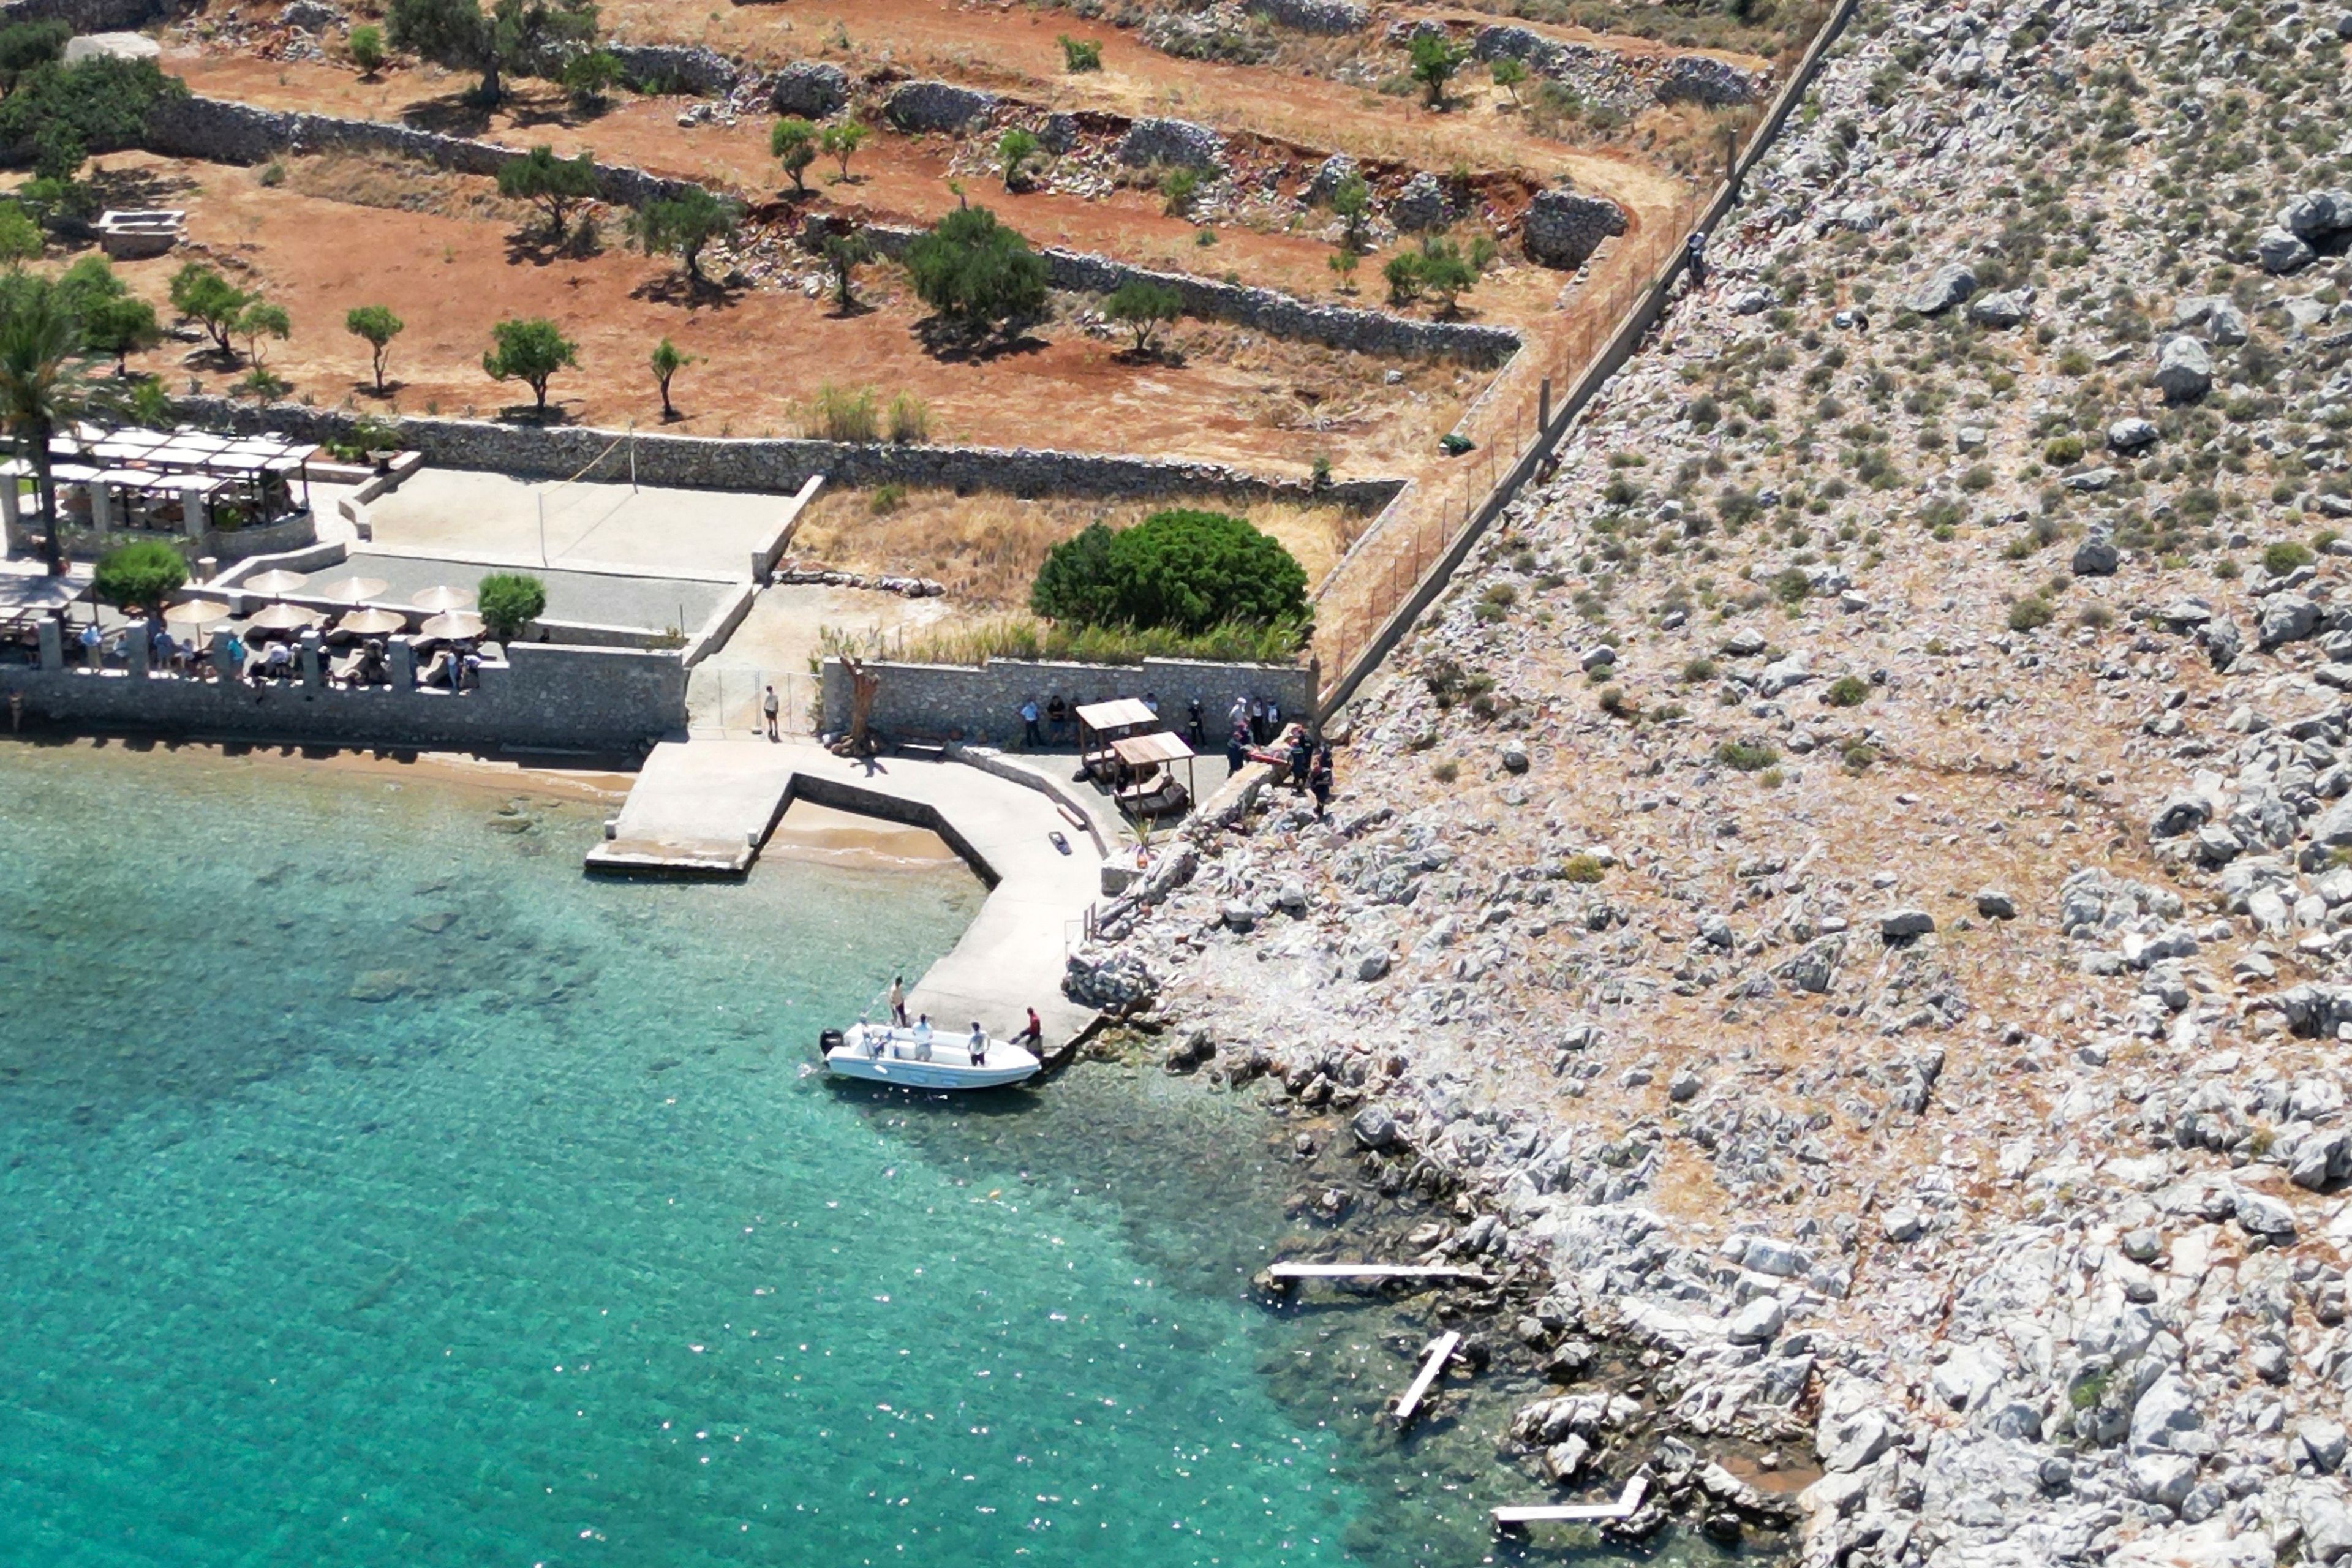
(228, 495)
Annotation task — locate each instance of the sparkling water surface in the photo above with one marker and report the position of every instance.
(379, 1190)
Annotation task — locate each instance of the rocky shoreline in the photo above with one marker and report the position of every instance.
(1851, 882)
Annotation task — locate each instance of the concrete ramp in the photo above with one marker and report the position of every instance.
(704, 807)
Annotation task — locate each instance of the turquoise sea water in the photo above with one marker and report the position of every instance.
(379, 1190)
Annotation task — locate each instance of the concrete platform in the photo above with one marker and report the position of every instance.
(704, 807)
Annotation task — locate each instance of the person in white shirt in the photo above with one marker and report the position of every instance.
(923, 1038)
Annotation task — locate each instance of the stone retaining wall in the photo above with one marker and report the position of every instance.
(219, 131)
(1270, 311)
(982, 703)
(544, 699)
(782, 464)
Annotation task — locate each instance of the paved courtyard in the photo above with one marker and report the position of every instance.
(493, 517)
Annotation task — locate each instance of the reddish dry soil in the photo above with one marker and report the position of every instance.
(760, 354)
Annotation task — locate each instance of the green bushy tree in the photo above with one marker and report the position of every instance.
(143, 573)
(530, 349)
(509, 601)
(1183, 570)
(377, 326)
(210, 300)
(557, 186)
(682, 225)
(513, 38)
(1143, 307)
(977, 273)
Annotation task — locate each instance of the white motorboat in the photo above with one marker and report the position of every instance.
(878, 1053)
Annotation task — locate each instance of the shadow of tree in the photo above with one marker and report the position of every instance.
(453, 114)
(694, 293)
(951, 343)
(553, 415)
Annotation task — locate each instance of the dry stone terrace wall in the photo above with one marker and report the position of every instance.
(218, 130)
(1279, 314)
(784, 464)
(983, 702)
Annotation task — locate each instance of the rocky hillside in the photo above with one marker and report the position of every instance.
(1856, 877)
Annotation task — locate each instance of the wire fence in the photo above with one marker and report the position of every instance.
(1504, 425)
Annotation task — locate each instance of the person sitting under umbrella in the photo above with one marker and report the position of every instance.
(278, 660)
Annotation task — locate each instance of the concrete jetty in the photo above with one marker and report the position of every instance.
(705, 806)
(1440, 1351)
(1516, 1518)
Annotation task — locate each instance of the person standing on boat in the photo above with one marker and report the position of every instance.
(923, 1037)
(978, 1044)
(898, 1001)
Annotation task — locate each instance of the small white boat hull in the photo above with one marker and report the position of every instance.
(874, 1054)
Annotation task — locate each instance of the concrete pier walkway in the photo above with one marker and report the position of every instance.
(705, 806)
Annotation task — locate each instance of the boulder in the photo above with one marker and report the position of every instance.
(2280, 252)
(2005, 310)
(920, 106)
(2166, 1412)
(2183, 811)
(1755, 1321)
(2184, 370)
(1176, 142)
(2097, 556)
(1995, 905)
(1902, 925)
(1782, 674)
(2287, 617)
(2323, 1442)
(2318, 216)
(309, 17)
(2163, 1479)
(2130, 436)
(1902, 1223)
(1371, 964)
(1563, 229)
(811, 88)
(2263, 1216)
(1375, 1127)
(1947, 286)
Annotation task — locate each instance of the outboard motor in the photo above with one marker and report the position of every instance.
(826, 1039)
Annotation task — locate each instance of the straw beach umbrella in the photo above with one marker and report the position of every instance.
(373, 623)
(285, 619)
(196, 612)
(441, 596)
(455, 625)
(277, 582)
(347, 590)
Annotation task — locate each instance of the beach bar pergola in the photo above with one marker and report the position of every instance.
(1101, 725)
(182, 482)
(1154, 791)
